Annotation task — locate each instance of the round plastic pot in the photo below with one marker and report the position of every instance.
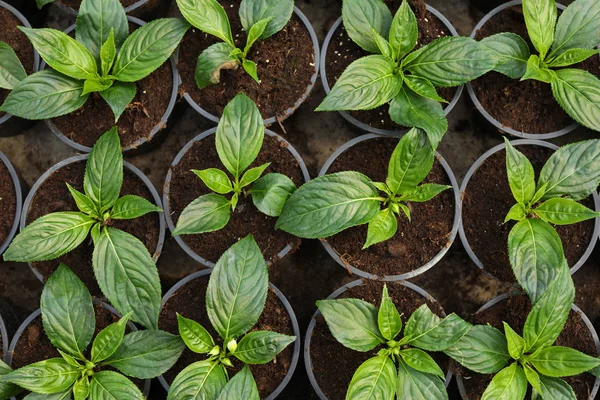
(584, 318)
(473, 170)
(288, 307)
(411, 274)
(137, 9)
(313, 323)
(4, 339)
(167, 191)
(83, 157)
(19, 199)
(38, 312)
(361, 125)
(290, 111)
(143, 143)
(497, 124)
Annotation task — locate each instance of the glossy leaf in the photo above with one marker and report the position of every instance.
(108, 53)
(374, 379)
(410, 163)
(521, 176)
(553, 388)
(7, 390)
(11, 70)
(540, 18)
(96, 19)
(512, 53)
(196, 338)
(360, 16)
(560, 211)
(516, 344)
(110, 385)
(251, 68)
(270, 193)
(517, 212)
(94, 86)
(109, 340)
(404, 31)
(211, 61)
(255, 32)
(535, 70)
(422, 87)
(381, 228)
(131, 207)
(203, 379)
(558, 362)
(425, 192)
(45, 377)
(388, 317)
(253, 174)
(64, 395)
(81, 389)
(413, 384)
(427, 331)
(533, 378)
(84, 203)
(385, 49)
(261, 347)
(508, 384)
(241, 387)
(119, 96)
(578, 93)
(483, 349)
(208, 16)
(572, 56)
(215, 179)
(421, 361)
(253, 11)
(578, 27)
(207, 213)
(104, 171)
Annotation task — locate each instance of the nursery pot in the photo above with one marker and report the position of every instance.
(181, 158)
(4, 340)
(354, 121)
(147, 9)
(205, 274)
(308, 362)
(469, 176)
(270, 119)
(17, 198)
(451, 234)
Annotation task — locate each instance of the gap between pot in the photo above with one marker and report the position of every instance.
(19, 200)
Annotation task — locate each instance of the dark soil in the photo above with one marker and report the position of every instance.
(527, 106)
(286, 63)
(333, 364)
(486, 202)
(514, 311)
(8, 203)
(342, 52)
(190, 302)
(416, 242)
(54, 196)
(186, 187)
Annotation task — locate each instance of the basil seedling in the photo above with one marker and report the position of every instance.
(532, 357)
(103, 59)
(235, 298)
(397, 75)
(260, 18)
(121, 262)
(332, 203)
(239, 138)
(12, 71)
(69, 322)
(571, 174)
(569, 41)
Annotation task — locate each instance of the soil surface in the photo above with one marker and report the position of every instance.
(486, 202)
(286, 64)
(246, 219)
(8, 203)
(190, 302)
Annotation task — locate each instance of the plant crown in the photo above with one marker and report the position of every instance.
(12, 71)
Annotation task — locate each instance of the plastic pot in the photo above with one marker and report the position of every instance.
(83, 157)
(361, 125)
(4, 340)
(313, 323)
(584, 318)
(282, 299)
(148, 9)
(290, 111)
(38, 313)
(19, 199)
(436, 258)
(473, 170)
(497, 124)
(167, 191)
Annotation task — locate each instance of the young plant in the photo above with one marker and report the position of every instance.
(332, 203)
(397, 75)
(103, 59)
(69, 322)
(239, 138)
(571, 174)
(123, 267)
(516, 360)
(569, 41)
(260, 18)
(12, 71)
(235, 298)
(402, 368)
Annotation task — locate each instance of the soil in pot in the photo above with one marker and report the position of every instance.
(342, 52)
(486, 202)
(190, 301)
(416, 242)
(8, 202)
(54, 196)
(186, 187)
(514, 311)
(333, 364)
(527, 106)
(286, 63)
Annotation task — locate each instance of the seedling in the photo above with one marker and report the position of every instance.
(396, 74)
(569, 41)
(235, 298)
(261, 19)
(239, 138)
(103, 59)
(12, 71)
(69, 322)
(123, 267)
(332, 203)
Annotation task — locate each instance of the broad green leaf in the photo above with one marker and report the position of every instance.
(278, 12)
(388, 317)
(560, 211)
(95, 21)
(521, 176)
(215, 179)
(425, 192)
(131, 207)
(359, 16)
(251, 68)
(421, 361)
(483, 349)
(84, 203)
(94, 86)
(578, 93)
(109, 340)
(7, 390)
(578, 27)
(540, 193)
(558, 362)
(383, 45)
(381, 228)
(207, 213)
(533, 378)
(422, 87)
(201, 380)
(374, 379)
(251, 175)
(413, 384)
(68, 358)
(255, 32)
(119, 96)
(270, 193)
(410, 163)
(241, 387)
(511, 51)
(517, 212)
(429, 332)
(572, 56)
(553, 388)
(11, 70)
(64, 395)
(516, 344)
(45, 377)
(261, 347)
(208, 16)
(110, 385)
(535, 70)
(104, 171)
(508, 384)
(404, 31)
(81, 389)
(108, 53)
(540, 18)
(195, 337)
(211, 61)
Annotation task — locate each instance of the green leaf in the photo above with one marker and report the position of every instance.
(278, 12)
(536, 71)
(45, 377)
(104, 171)
(360, 16)
(572, 56)
(94, 86)
(410, 163)
(511, 51)
(367, 83)
(421, 361)
(558, 361)
(374, 379)
(64, 395)
(49, 237)
(148, 48)
(553, 388)
(251, 68)
(381, 228)
(413, 384)
(81, 389)
(383, 45)
(196, 338)
(483, 349)
(533, 378)
(84, 203)
(516, 344)
(521, 176)
(252, 175)
(95, 21)
(427, 331)
(578, 27)
(7, 390)
(108, 52)
(109, 340)
(560, 211)
(425, 192)
(422, 87)
(329, 204)
(404, 209)
(119, 96)
(215, 179)
(540, 193)
(131, 207)
(110, 385)
(211, 61)
(508, 384)
(516, 212)
(404, 31)
(11, 70)
(70, 359)
(203, 379)
(241, 387)
(540, 18)
(261, 347)
(388, 318)
(578, 93)
(255, 32)
(208, 16)
(207, 213)
(270, 193)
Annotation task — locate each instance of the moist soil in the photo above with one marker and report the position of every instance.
(514, 311)
(246, 219)
(488, 199)
(54, 196)
(333, 364)
(527, 106)
(416, 242)
(286, 64)
(342, 52)
(8, 203)
(190, 302)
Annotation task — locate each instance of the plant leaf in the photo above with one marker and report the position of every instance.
(553, 388)
(360, 16)
(203, 379)
(11, 70)
(8, 390)
(421, 361)
(572, 56)
(512, 53)
(483, 349)
(81, 389)
(95, 21)
(261, 347)
(578, 93)
(425, 192)
(108, 53)
(404, 31)
(388, 318)
(422, 87)
(119, 96)
(413, 384)
(540, 18)
(255, 32)
(557, 361)
(131, 207)
(270, 193)
(215, 179)
(427, 331)
(535, 70)
(241, 387)
(252, 175)
(578, 27)
(84, 203)
(64, 395)
(211, 61)
(533, 378)
(278, 12)
(109, 340)
(508, 384)
(251, 68)
(518, 212)
(45, 377)
(410, 163)
(374, 379)
(207, 213)
(516, 344)
(110, 385)
(208, 16)
(104, 171)
(521, 177)
(94, 86)
(560, 211)
(383, 45)
(196, 338)
(381, 228)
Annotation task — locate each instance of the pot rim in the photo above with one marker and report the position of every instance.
(4, 338)
(18, 199)
(72, 11)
